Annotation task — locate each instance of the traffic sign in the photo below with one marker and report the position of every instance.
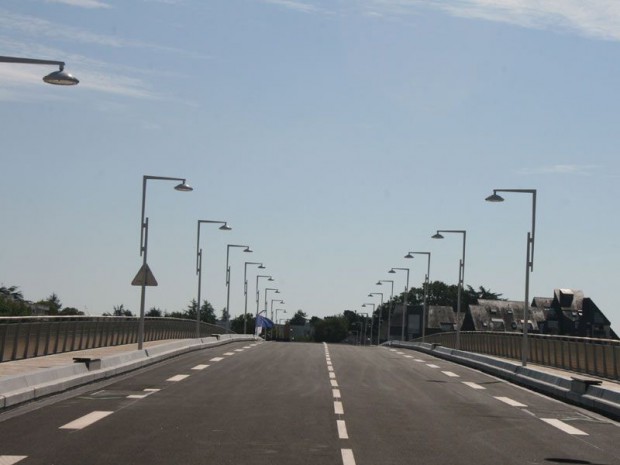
(144, 277)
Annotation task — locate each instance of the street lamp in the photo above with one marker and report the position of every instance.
(245, 291)
(272, 301)
(224, 227)
(258, 291)
(372, 319)
(266, 292)
(426, 285)
(378, 316)
(276, 321)
(438, 235)
(393, 270)
(363, 341)
(248, 250)
(380, 283)
(59, 78)
(529, 263)
(145, 277)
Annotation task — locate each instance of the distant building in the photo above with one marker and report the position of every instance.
(501, 315)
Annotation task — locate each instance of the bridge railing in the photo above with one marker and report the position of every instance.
(26, 337)
(597, 357)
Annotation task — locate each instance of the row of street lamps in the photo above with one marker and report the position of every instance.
(145, 277)
(529, 267)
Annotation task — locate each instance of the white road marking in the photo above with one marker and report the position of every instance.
(564, 427)
(400, 353)
(200, 367)
(347, 457)
(86, 420)
(228, 354)
(392, 350)
(177, 378)
(342, 429)
(216, 359)
(11, 459)
(329, 363)
(338, 409)
(330, 368)
(408, 356)
(152, 390)
(332, 375)
(473, 385)
(509, 401)
(430, 365)
(418, 360)
(247, 347)
(336, 393)
(238, 350)
(450, 374)
(334, 383)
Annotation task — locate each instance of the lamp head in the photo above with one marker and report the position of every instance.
(261, 266)
(392, 271)
(61, 78)
(271, 278)
(494, 198)
(225, 227)
(437, 236)
(248, 250)
(370, 295)
(277, 291)
(184, 187)
(379, 283)
(409, 255)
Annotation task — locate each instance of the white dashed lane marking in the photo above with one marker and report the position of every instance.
(342, 430)
(430, 365)
(473, 385)
(450, 374)
(238, 350)
(338, 408)
(216, 359)
(419, 360)
(228, 354)
(86, 420)
(559, 424)
(334, 383)
(336, 393)
(347, 457)
(509, 401)
(177, 378)
(11, 459)
(200, 367)
(330, 368)
(152, 390)
(332, 375)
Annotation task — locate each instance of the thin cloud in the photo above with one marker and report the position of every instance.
(592, 18)
(82, 3)
(583, 170)
(295, 5)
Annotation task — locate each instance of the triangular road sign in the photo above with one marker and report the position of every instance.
(144, 277)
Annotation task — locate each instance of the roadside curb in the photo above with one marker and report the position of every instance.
(574, 391)
(18, 389)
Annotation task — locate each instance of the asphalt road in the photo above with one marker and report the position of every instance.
(288, 403)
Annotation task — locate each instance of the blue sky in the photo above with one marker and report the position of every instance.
(333, 136)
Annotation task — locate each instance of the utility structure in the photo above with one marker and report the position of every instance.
(228, 247)
(389, 328)
(393, 271)
(426, 286)
(378, 316)
(245, 291)
(59, 78)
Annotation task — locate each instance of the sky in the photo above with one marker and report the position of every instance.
(333, 137)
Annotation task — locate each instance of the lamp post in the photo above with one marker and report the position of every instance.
(363, 341)
(272, 301)
(529, 263)
(276, 321)
(266, 292)
(380, 283)
(59, 78)
(270, 278)
(248, 250)
(426, 285)
(372, 320)
(438, 235)
(224, 227)
(144, 276)
(378, 316)
(393, 270)
(245, 292)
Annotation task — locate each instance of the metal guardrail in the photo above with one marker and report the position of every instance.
(27, 337)
(597, 357)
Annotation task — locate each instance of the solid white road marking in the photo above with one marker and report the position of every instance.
(86, 420)
(338, 409)
(509, 401)
(473, 385)
(342, 430)
(334, 383)
(564, 427)
(177, 378)
(216, 359)
(336, 393)
(11, 459)
(450, 374)
(347, 457)
(430, 365)
(332, 375)
(200, 367)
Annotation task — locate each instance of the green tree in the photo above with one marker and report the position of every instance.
(120, 310)
(236, 324)
(154, 312)
(207, 312)
(53, 304)
(330, 329)
(225, 315)
(11, 292)
(299, 319)
(70, 311)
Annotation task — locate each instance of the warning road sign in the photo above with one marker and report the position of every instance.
(144, 277)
